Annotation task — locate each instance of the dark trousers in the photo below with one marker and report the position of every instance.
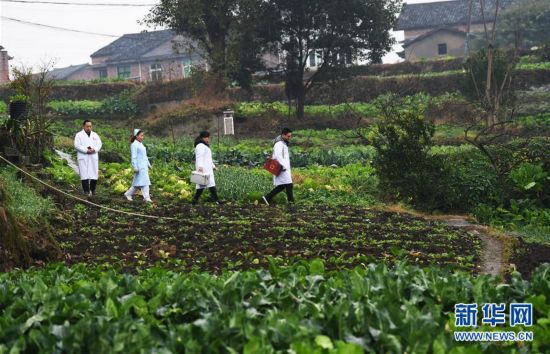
(88, 185)
(213, 194)
(289, 192)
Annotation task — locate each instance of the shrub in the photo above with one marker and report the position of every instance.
(467, 181)
(121, 104)
(402, 138)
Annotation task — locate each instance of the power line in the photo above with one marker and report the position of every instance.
(77, 4)
(58, 28)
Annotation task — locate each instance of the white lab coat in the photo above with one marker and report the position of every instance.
(88, 164)
(141, 164)
(281, 154)
(203, 159)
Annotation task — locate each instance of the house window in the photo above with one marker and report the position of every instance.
(187, 67)
(315, 58)
(102, 73)
(311, 58)
(442, 48)
(124, 71)
(156, 72)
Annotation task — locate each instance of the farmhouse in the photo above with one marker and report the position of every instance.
(146, 56)
(440, 28)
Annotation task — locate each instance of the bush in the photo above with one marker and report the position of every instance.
(467, 181)
(403, 138)
(524, 191)
(121, 104)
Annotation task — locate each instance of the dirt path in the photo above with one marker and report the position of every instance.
(493, 249)
(72, 164)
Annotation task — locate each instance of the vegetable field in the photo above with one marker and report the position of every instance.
(346, 270)
(302, 308)
(240, 237)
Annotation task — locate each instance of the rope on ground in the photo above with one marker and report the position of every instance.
(81, 199)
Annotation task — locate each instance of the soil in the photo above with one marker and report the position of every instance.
(214, 238)
(528, 256)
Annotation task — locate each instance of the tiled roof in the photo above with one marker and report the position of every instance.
(64, 73)
(445, 13)
(134, 45)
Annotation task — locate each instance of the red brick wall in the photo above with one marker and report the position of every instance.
(4, 67)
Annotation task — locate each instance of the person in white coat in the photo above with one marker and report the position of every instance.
(141, 166)
(284, 180)
(87, 144)
(205, 164)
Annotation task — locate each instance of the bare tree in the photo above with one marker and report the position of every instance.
(490, 74)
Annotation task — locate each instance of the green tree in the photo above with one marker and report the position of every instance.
(524, 24)
(227, 32)
(339, 32)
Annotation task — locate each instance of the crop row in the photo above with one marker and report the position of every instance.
(300, 308)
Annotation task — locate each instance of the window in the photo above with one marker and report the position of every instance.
(442, 48)
(187, 67)
(124, 71)
(102, 73)
(156, 72)
(315, 58)
(319, 57)
(311, 58)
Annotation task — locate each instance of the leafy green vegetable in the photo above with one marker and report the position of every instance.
(370, 309)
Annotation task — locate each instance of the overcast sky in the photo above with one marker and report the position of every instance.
(31, 44)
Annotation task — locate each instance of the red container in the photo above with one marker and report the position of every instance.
(273, 166)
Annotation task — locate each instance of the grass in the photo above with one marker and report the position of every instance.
(23, 201)
(534, 66)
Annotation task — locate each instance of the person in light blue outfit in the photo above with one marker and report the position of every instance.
(141, 166)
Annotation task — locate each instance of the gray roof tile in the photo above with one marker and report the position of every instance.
(134, 45)
(445, 13)
(64, 73)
